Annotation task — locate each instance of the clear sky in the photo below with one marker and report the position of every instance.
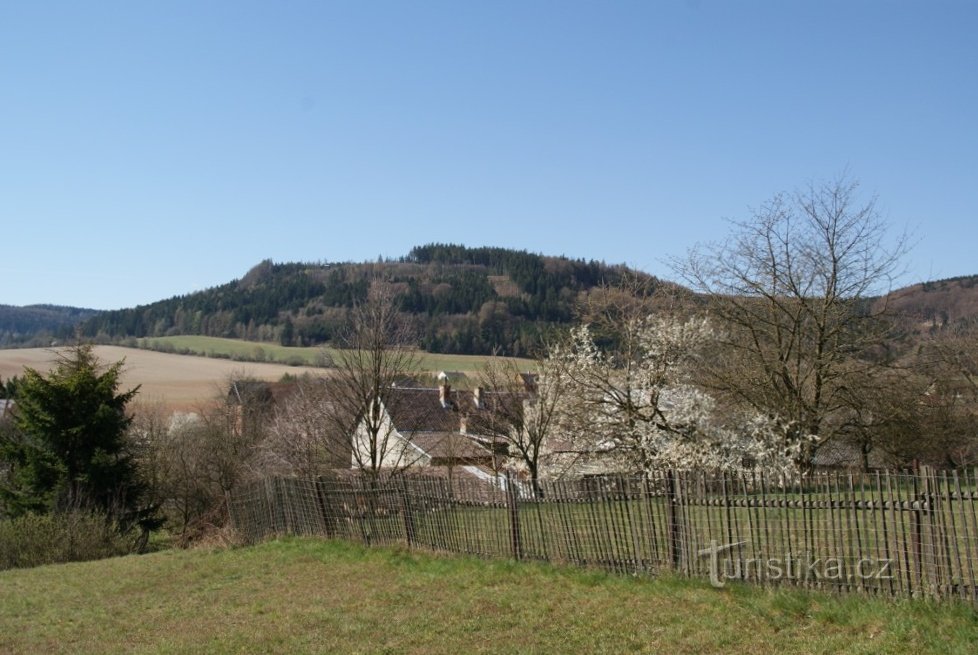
(149, 149)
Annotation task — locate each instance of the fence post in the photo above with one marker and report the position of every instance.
(232, 519)
(270, 502)
(408, 516)
(674, 530)
(917, 527)
(929, 527)
(514, 517)
(325, 513)
(288, 511)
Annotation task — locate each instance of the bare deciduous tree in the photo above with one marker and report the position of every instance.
(301, 439)
(521, 410)
(377, 354)
(191, 461)
(789, 290)
(946, 375)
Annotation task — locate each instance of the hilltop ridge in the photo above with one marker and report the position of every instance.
(460, 300)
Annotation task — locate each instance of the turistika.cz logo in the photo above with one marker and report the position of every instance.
(726, 565)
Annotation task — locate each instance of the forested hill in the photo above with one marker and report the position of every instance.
(39, 324)
(949, 304)
(463, 300)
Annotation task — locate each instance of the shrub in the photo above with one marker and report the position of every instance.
(36, 539)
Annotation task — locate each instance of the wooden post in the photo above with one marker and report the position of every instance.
(270, 501)
(903, 507)
(652, 537)
(324, 514)
(287, 508)
(538, 506)
(408, 515)
(675, 530)
(728, 508)
(967, 533)
(232, 519)
(916, 524)
(515, 538)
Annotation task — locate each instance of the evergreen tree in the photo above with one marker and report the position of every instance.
(8, 387)
(287, 337)
(69, 450)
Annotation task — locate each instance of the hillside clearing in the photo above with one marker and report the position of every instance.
(304, 595)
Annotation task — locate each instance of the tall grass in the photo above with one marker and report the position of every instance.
(34, 539)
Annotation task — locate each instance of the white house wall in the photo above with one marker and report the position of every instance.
(397, 452)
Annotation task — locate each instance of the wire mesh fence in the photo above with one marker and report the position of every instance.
(900, 534)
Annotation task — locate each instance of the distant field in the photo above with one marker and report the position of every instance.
(308, 596)
(178, 381)
(309, 356)
(183, 381)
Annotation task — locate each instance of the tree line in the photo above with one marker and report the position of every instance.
(39, 325)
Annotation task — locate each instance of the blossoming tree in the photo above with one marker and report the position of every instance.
(637, 405)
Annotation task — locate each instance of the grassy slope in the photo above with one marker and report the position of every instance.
(311, 356)
(314, 596)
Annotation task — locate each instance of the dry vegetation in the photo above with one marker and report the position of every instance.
(177, 381)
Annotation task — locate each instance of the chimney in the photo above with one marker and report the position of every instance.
(477, 397)
(444, 389)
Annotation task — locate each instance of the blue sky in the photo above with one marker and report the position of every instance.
(149, 149)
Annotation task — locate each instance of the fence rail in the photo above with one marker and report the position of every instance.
(912, 535)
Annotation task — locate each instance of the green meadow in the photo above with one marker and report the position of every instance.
(313, 596)
(311, 356)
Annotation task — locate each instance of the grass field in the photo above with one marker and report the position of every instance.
(309, 356)
(234, 348)
(309, 596)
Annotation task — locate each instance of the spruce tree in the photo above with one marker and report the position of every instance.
(69, 450)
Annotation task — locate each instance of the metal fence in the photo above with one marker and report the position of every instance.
(912, 535)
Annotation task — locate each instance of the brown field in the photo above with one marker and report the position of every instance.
(177, 381)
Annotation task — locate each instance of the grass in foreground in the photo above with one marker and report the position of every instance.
(314, 596)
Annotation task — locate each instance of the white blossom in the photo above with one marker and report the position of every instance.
(637, 406)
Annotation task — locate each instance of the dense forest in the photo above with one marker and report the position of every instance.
(39, 325)
(461, 300)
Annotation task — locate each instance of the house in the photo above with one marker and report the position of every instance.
(418, 427)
